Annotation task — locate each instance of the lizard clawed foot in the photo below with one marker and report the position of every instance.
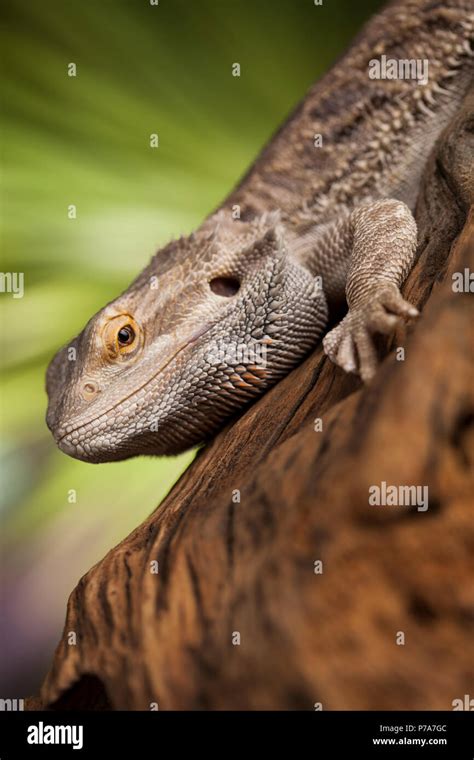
(350, 344)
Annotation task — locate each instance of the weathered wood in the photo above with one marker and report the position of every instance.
(248, 567)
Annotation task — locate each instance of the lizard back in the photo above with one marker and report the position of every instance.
(376, 134)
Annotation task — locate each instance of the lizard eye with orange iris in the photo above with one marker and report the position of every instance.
(126, 335)
(122, 337)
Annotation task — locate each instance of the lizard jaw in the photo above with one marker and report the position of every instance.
(63, 434)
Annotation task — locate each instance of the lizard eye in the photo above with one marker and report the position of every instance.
(225, 286)
(122, 337)
(126, 335)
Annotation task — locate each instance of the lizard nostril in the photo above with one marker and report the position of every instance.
(90, 389)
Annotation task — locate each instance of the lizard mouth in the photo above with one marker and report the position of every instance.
(63, 433)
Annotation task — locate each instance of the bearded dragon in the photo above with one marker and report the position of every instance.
(324, 214)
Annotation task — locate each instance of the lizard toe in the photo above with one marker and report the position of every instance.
(346, 355)
(394, 302)
(380, 321)
(367, 355)
(332, 341)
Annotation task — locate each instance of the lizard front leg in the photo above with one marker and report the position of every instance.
(367, 254)
(384, 237)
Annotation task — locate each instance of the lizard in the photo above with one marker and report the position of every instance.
(324, 216)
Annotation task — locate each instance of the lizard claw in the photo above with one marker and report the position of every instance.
(350, 344)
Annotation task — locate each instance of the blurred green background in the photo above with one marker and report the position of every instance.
(141, 69)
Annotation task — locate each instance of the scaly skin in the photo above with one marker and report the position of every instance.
(218, 317)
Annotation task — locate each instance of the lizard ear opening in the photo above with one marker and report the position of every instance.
(224, 286)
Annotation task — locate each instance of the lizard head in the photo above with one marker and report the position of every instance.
(213, 321)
